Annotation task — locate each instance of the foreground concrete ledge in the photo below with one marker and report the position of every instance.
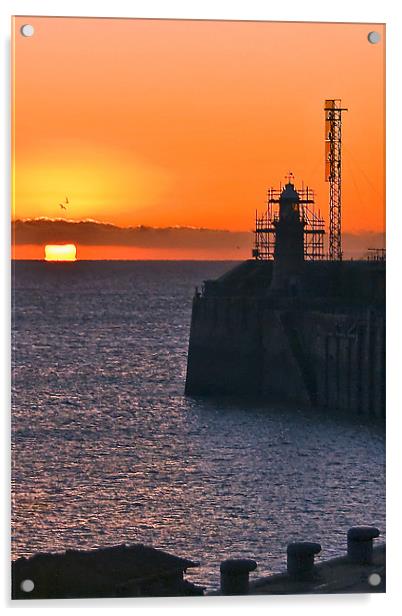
(336, 575)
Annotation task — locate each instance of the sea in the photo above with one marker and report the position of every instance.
(107, 449)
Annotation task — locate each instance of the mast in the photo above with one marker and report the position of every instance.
(333, 174)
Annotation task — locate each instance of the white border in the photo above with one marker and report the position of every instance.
(379, 11)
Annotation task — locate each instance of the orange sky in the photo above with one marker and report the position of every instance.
(164, 123)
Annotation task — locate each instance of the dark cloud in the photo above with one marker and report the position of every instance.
(93, 233)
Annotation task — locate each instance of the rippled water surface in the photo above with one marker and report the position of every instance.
(106, 448)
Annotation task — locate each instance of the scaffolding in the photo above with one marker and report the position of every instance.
(264, 244)
(333, 174)
(376, 254)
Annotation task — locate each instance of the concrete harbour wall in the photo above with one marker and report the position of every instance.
(292, 353)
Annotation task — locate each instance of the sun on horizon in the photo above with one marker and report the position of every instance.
(60, 252)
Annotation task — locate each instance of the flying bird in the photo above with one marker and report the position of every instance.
(62, 206)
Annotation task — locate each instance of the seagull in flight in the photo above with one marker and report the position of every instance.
(62, 206)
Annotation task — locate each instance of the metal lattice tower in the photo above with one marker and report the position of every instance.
(333, 174)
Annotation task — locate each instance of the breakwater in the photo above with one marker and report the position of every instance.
(324, 346)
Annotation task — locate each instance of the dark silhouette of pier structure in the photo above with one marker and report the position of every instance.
(290, 329)
(292, 324)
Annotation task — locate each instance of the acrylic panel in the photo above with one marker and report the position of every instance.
(198, 319)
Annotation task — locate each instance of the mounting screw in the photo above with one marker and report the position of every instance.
(374, 37)
(27, 30)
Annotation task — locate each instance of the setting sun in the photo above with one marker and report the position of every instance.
(60, 252)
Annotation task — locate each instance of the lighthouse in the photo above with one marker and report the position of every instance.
(289, 243)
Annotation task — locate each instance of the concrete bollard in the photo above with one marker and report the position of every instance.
(235, 576)
(300, 558)
(360, 544)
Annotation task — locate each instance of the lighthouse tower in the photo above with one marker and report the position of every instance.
(289, 243)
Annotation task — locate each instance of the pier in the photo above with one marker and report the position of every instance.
(310, 332)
